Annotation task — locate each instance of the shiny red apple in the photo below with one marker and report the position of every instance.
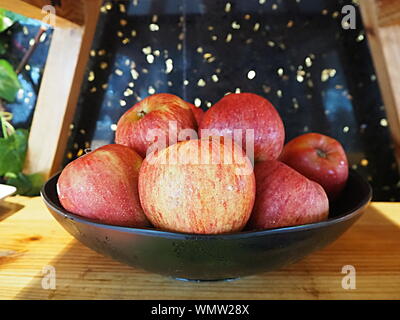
(284, 198)
(246, 111)
(198, 113)
(198, 186)
(319, 158)
(158, 118)
(103, 185)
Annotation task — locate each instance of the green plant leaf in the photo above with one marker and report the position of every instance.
(5, 20)
(13, 151)
(13, 16)
(27, 185)
(9, 83)
(2, 47)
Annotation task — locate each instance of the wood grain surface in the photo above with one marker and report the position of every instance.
(31, 240)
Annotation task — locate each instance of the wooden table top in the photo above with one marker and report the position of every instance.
(31, 241)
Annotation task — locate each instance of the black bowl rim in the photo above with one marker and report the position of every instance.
(349, 214)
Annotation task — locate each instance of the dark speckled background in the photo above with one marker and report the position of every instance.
(319, 76)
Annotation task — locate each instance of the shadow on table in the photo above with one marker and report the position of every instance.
(372, 245)
(8, 208)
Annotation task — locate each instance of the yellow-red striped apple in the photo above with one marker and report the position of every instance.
(247, 111)
(103, 185)
(159, 118)
(286, 198)
(198, 186)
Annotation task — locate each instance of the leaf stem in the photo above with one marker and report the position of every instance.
(3, 127)
(30, 51)
(6, 127)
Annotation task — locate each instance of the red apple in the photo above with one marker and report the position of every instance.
(164, 114)
(103, 185)
(319, 158)
(198, 190)
(247, 111)
(198, 113)
(285, 198)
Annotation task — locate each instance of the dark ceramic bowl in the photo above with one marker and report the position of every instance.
(213, 257)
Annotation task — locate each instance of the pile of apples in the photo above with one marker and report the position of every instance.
(177, 168)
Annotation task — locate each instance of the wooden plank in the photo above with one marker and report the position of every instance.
(388, 12)
(35, 12)
(31, 239)
(59, 92)
(384, 43)
(71, 10)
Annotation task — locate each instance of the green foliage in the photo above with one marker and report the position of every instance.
(12, 17)
(12, 152)
(27, 185)
(12, 157)
(3, 48)
(5, 20)
(13, 143)
(9, 83)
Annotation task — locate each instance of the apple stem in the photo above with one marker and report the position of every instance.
(141, 113)
(321, 153)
